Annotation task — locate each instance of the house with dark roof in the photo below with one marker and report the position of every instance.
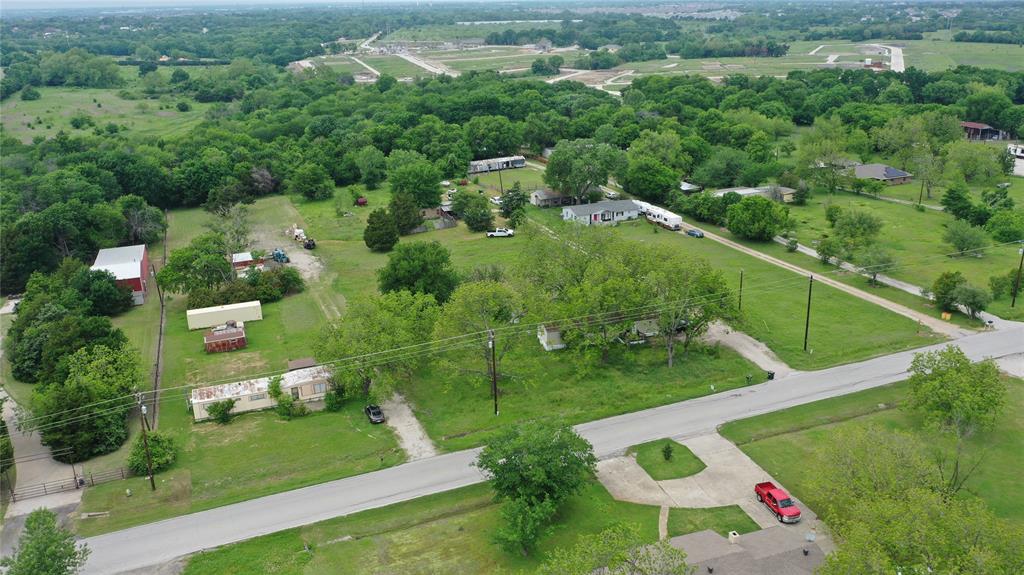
(602, 213)
(979, 131)
(882, 173)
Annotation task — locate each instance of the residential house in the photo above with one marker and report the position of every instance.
(544, 198)
(222, 314)
(883, 173)
(227, 337)
(307, 385)
(550, 337)
(494, 164)
(979, 131)
(602, 213)
(128, 265)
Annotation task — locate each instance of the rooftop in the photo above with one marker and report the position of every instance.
(976, 126)
(223, 334)
(248, 387)
(879, 172)
(241, 257)
(773, 551)
(230, 306)
(598, 207)
(501, 159)
(123, 263)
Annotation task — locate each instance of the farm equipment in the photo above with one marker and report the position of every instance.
(279, 256)
(309, 243)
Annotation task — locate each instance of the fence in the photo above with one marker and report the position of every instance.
(69, 484)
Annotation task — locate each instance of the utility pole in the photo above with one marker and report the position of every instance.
(494, 369)
(741, 290)
(145, 443)
(807, 322)
(501, 186)
(1016, 284)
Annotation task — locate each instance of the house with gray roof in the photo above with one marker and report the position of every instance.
(602, 213)
(882, 173)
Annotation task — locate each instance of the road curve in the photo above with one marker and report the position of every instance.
(160, 542)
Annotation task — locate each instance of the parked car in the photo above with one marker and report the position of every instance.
(777, 501)
(496, 201)
(501, 233)
(694, 233)
(445, 183)
(374, 414)
(612, 195)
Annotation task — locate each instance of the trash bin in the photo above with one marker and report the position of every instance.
(771, 375)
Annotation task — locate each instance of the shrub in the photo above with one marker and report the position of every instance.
(756, 218)
(334, 399)
(288, 407)
(162, 449)
(1006, 226)
(792, 245)
(666, 451)
(944, 289)
(1001, 285)
(220, 411)
(183, 106)
(964, 237)
(28, 93)
(832, 213)
(973, 298)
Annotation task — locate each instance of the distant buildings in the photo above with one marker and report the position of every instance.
(979, 131)
(883, 173)
(128, 265)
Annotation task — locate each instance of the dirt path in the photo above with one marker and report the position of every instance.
(372, 70)
(937, 325)
(411, 435)
(748, 347)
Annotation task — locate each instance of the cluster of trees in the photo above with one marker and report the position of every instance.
(854, 239)
(76, 67)
(549, 66)
(45, 548)
(918, 489)
(951, 290)
(752, 217)
(697, 46)
(989, 37)
(591, 31)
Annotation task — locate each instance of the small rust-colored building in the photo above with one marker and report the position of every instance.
(225, 338)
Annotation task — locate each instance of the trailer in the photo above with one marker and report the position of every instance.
(660, 216)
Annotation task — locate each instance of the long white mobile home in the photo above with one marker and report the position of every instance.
(221, 314)
(494, 164)
(660, 216)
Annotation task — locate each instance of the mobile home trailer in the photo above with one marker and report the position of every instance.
(660, 216)
(494, 164)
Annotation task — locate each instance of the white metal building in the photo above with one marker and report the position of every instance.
(221, 314)
(494, 164)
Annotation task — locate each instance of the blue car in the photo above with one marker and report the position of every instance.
(694, 233)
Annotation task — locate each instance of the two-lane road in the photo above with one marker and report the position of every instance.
(157, 543)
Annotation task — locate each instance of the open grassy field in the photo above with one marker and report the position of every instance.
(912, 191)
(444, 533)
(775, 300)
(394, 66)
(340, 63)
(782, 442)
(683, 462)
(459, 32)
(936, 52)
(915, 240)
(58, 105)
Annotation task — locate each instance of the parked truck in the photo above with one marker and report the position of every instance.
(777, 501)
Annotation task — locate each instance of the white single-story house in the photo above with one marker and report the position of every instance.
(222, 314)
(309, 384)
(602, 213)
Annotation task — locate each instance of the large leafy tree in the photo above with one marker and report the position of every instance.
(311, 181)
(477, 307)
(954, 394)
(418, 179)
(756, 218)
(419, 267)
(98, 392)
(144, 223)
(381, 233)
(200, 265)
(650, 179)
(406, 215)
(370, 329)
(492, 136)
(577, 167)
(45, 548)
(372, 166)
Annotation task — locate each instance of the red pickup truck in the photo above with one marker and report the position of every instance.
(777, 501)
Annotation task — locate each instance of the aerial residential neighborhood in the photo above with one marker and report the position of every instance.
(637, 288)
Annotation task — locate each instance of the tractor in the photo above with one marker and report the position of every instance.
(309, 244)
(279, 256)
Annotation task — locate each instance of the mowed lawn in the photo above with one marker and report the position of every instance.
(394, 66)
(935, 54)
(843, 328)
(783, 442)
(915, 240)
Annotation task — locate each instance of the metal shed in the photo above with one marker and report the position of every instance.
(222, 314)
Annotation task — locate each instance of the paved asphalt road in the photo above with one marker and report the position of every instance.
(157, 543)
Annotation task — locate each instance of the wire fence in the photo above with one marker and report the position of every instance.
(77, 481)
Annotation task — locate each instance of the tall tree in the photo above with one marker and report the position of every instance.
(480, 306)
(381, 233)
(419, 180)
(372, 166)
(419, 267)
(577, 167)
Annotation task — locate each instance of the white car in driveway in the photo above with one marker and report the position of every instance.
(501, 233)
(496, 201)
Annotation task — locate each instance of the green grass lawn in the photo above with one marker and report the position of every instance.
(682, 464)
(912, 191)
(529, 179)
(775, 300)
(783, 442)
(53, 112)
(456, 32)
(915, 240)
(936, 53)
(257, 454)
(454, 402)
(444, 533)
(721, 520)
(394, 66)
